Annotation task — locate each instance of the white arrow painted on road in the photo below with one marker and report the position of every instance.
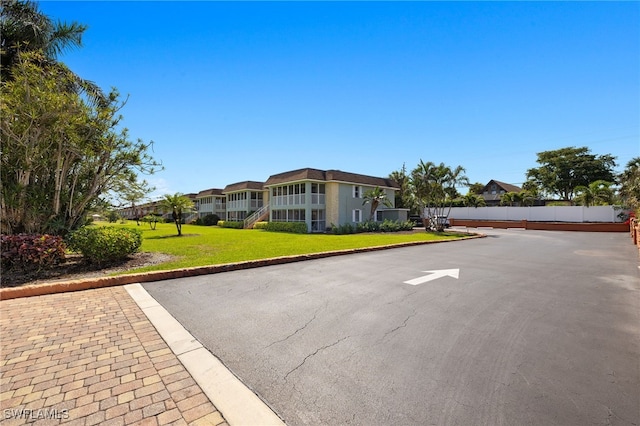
(454, 273)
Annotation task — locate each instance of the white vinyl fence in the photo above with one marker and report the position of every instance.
(540, 213)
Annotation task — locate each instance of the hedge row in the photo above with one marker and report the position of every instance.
(230, 224)
(369, 226)
(291, 227)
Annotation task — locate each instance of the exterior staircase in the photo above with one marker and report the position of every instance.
(260, 214)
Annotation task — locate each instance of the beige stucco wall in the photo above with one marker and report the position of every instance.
(332, 202)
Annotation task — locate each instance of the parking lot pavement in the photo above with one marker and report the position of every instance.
(92, 357)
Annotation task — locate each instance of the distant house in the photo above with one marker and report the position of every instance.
(492, 191)
(321, 198)
(211, 201)
(243, 198)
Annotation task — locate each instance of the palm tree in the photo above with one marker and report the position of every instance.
(375, 197)
(24, 28)
(510, 199)
(435, 188)
(176, 204)
(597, 193)
(473, 200)
(527, 198)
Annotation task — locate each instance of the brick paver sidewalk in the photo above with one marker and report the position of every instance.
(92, 357)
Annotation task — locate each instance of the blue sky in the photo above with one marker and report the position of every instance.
(234, 91)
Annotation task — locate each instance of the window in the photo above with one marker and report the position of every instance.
(318, 223)
(289, 195)
(317, 193)
(291, 215)
(357, 191)
(357, 215)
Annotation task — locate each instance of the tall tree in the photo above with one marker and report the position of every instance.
(176, 204)
(630, 183)
(562, 170)
(60, 154)
(403, 196)
(434, 188)
(375, 197)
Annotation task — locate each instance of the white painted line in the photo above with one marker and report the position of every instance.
(238, 404)
(434, 275)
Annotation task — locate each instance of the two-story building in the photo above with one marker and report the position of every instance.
(321, 198)
(211, 201)
(243, 198)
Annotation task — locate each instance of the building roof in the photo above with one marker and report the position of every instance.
(244, 186)
(505, 187)
(207, 192)
(328, 176)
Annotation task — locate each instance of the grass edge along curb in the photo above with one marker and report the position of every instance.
(7, 293)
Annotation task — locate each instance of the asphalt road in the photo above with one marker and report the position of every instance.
(539, 328)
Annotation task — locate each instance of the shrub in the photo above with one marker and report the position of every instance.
(105, 244)
(210, 220)
(260, 225)
(31, 251)
(396, 225)
(292, 227)
(230, 224)
(368, 226)
(346, 228)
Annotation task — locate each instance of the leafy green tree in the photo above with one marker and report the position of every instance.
(598, 193)
(151, 220)
(60, 154)
(476, 188)
(630, 184)
(130, 194)
(562, 170)
(375, 197)
(176, 204)
(112, 216)
(434, 188)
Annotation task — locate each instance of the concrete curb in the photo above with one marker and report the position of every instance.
(7, 293)
(237, 403)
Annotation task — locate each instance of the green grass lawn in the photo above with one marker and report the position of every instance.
(211, 245)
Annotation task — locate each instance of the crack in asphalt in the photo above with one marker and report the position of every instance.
(313, 354)
(404, 324)
(315, 314)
